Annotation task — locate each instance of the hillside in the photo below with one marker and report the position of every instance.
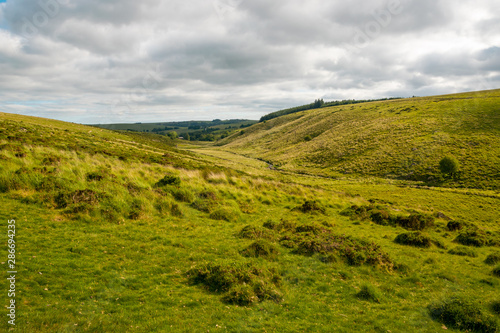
(399, 139)
(124, 232)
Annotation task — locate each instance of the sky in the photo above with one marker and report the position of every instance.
(119, 61)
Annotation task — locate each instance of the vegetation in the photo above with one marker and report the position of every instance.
(319, 103)
(188, 130)
(463, 314)
(398, 140)
(449, 165)
(122, 231)
(414, 239)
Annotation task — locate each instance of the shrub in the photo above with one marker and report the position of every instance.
(369, 293)
(353, 250)
(476, 238)
(495, 307)
(463, 251)
(380, 216)
(311, 206)
(168, 180)
(449, 165)
(253, 232)
(261, 249)
(95, 176)
(413, 239)
(415, 221)
(243, 283)
(496, 271)
(455, 225)
(241, 294)
(492, 259)
(362, 212)
(463, 314)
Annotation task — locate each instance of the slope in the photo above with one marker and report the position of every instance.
(402, 139)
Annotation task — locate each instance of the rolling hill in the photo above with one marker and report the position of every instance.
(135, 232)
(398, 139)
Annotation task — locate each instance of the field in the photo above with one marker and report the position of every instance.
(136, 232)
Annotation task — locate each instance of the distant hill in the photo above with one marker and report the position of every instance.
(190, 130)
(404, 139)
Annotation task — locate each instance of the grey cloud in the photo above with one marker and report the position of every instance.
(204, 59)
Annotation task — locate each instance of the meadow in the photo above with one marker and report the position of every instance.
(136, 232)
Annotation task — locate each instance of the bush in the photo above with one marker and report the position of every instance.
(463, 314)
(369, 293)
(95, 176)
(449, 165)
(413, 239)
(492, 259)
(362, 212)
(241, 294)
(496, 271)
(261, 249)
(495, 307)
(354, 251)
(415, 221)
(476, 238)
(455, 225)
(243, 283)
(311, 206)
(463, 251)
(168, 180)
(380, 216)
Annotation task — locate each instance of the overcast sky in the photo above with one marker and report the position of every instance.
(108, 61)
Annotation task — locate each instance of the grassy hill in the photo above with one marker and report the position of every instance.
(123, 232)
(398, 139)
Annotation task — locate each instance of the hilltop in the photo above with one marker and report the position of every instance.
(138, 232)
(397, 139)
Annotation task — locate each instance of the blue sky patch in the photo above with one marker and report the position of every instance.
(3, 1)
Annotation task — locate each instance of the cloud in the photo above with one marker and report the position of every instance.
(116, 61)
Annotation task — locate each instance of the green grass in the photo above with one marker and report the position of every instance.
(123, 232)
(399, 139)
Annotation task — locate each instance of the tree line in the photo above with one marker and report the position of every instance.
(319, 103)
